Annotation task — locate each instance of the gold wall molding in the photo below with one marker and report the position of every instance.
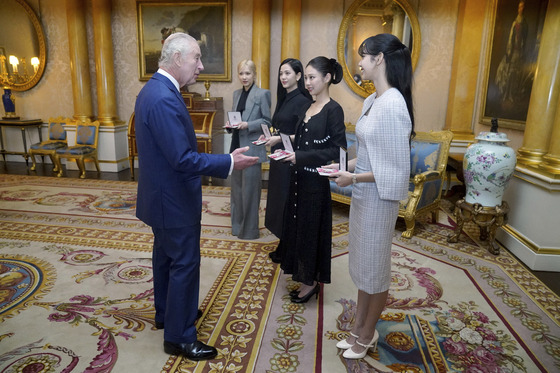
(538, 178)
(532, 246)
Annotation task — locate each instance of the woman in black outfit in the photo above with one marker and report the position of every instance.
(291, 98)
(305, 245)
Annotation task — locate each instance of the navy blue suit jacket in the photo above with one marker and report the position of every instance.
(169, 186)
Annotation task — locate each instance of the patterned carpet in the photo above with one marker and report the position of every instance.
(76, 295)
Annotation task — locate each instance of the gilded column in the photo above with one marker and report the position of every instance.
(465, 68)
(551, 161)
(291, 25)
(545, 93)
(106, 98)
(261, 41)
(398, 22)
(79, 61)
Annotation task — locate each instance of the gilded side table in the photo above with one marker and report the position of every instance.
(22, 125)
(487, 218)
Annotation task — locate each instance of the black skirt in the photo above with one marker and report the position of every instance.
(305, 246)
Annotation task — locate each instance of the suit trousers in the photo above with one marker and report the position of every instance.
(245, 202)
(176, 267)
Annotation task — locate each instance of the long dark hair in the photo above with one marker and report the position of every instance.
(398, 65)
(326, 66)
(281, 92)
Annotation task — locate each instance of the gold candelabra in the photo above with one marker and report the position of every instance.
(16, 77)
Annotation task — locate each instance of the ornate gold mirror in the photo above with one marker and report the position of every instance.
(22, 46)
(365, 18)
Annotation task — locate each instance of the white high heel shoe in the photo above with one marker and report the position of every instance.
(349, 354)
(344, 344)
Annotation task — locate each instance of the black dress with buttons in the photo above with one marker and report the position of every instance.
(305, 245)
(284, 120)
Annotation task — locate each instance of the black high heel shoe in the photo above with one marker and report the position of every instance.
(294, 293)
(307, 296)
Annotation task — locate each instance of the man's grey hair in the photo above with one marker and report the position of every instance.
(176, 43)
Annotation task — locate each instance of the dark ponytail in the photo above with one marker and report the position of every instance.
(398, 65)
(326, 66)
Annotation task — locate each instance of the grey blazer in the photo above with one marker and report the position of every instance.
(257, 111)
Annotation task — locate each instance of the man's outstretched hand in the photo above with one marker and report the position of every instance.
(241, 161)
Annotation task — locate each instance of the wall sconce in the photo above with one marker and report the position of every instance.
(14, 62)
(35, 64)
(17, 77)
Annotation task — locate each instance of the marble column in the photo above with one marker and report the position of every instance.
(79, 61)
(261, 41)
(291, 25)
(545, 93)
(104, 64)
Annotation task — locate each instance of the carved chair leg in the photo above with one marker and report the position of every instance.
(81, 167)
(131, 161)
(53, 160)
(409, 228)
(58, 165)
(435, 215)
(96, 164)
(33, 163)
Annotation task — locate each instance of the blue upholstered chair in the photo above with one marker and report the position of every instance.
(428, 160)
(87, 135)
(57, 140)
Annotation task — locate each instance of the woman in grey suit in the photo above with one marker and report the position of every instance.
(254, 105)
(380, 176)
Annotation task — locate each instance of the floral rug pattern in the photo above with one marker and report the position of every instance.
(76, 295)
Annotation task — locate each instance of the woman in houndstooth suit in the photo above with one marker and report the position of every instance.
(380, 175)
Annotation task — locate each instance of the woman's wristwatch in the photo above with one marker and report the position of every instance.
(354, 179)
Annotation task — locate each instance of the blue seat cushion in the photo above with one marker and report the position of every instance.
(423, 156)
(76, 150)
(51, 145)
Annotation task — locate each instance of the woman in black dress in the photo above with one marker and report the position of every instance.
(305, 245)
(291, 97)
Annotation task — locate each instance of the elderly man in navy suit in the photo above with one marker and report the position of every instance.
(170, 192)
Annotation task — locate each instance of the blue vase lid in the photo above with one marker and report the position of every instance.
(492, 136)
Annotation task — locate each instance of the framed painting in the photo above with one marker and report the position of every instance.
(209, 22)
(513, 48)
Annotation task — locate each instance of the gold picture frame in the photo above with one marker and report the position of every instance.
(510, 66)
(207, 21)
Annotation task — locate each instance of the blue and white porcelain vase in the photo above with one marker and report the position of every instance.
(9, 103)
(487, 168)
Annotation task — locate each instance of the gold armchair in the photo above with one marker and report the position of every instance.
(87, 135)
(428, 158)
(57, 140)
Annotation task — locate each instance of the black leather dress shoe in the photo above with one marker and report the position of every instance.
(193, 351)
(161, 325)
